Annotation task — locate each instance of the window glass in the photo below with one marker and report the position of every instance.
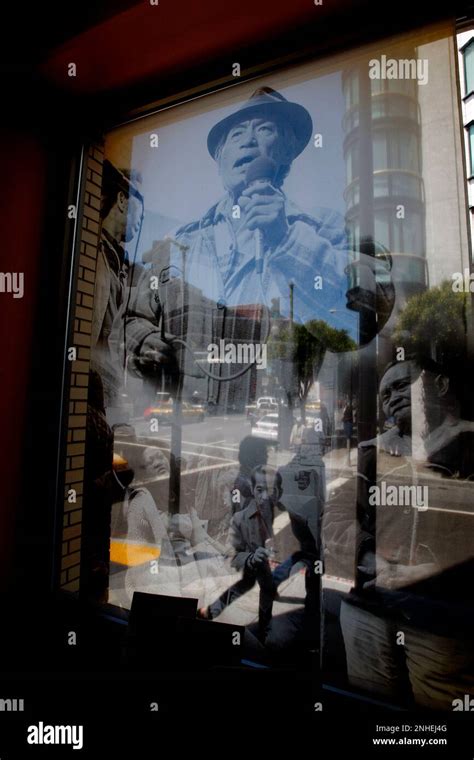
(471, 148)
(469, 67)
(380, 157)
(382, 228)
(280, 419)
(413, 232)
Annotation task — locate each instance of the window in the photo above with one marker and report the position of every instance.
(380, 157)
(352, 161)
(469, 67)
(407, 150)
(382, 229)
(406, 86)
(400, 235)
(190, 488)
(413, 233)
(471, 149)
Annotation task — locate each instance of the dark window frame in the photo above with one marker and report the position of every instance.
(469, 127)
(466, 48)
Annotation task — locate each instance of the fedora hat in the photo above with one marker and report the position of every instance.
(114, 179)
(269, 103)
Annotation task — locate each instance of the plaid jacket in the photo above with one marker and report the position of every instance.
(235, 305)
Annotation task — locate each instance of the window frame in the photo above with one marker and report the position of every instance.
(469, 127)
(181, 96)
(466, 48)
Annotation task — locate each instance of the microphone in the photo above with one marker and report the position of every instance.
(261, 170)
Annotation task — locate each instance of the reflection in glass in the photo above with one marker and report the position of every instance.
(277, 336)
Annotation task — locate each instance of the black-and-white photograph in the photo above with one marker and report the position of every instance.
(236, 386)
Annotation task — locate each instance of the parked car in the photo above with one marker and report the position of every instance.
(164, 411)
(161, 409)
(267, 426)
(264, 405)
(163, 397)
(265, 402)
(193, 412)
(257, 414)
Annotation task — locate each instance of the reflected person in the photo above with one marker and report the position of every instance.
(250, 529)
(121, 214)
(414, 560)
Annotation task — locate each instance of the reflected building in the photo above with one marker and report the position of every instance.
(465, 41)
(398, 197)
(400, 189)
(417, 194)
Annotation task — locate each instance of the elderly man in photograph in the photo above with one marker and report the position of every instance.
(252, 249)
(254, 242)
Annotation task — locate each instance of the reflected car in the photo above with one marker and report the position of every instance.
(255, 413)
(313, 406)
(266, 427)
(163, 412)
(266, 402)
(193, 412)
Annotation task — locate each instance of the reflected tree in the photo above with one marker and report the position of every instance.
(298, 352)
(433, 325)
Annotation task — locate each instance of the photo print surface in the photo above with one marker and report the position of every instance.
(279, 421)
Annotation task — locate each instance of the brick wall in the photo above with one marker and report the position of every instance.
(78, 388)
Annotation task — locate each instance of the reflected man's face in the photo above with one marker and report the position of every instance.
(265, 490)
(395, 392)
(155, 462)
(245, 142)
(133, 213)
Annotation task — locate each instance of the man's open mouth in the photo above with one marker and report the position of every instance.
(244, 160)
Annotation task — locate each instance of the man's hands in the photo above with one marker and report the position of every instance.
(263, 208)
(155, 355)
(154, 350)
(258, 558)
